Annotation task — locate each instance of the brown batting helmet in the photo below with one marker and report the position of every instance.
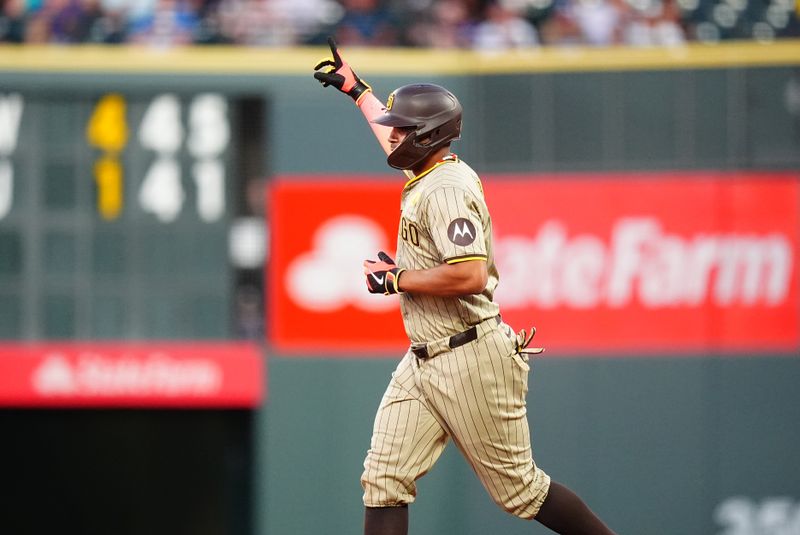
(432, 110)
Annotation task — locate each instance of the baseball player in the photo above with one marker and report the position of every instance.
(465, 375)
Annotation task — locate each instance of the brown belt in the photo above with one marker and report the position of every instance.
(457, 340)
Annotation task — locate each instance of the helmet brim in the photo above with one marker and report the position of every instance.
(389, 119)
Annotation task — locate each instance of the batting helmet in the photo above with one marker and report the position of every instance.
(432, 110)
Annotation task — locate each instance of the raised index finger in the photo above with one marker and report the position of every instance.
(335, 51)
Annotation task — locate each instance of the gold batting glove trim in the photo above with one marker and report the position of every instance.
(396, 281)
(363, 93)
(393, 279)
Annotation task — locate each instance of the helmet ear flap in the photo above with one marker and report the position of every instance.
(407, 154)
(425, 140)
(440, 135)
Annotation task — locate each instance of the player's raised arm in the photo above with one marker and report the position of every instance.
(337, 73)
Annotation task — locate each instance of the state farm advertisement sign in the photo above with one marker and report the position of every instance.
(130, 375)
(321, 232)
(681, 262)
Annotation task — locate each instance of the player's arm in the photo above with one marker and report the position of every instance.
(453, 217)
(451, 279)
(372, 108)
(462, 278)
(340, 75)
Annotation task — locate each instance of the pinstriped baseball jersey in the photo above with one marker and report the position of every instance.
(445, 220)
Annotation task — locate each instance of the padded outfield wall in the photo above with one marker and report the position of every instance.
(671, 407)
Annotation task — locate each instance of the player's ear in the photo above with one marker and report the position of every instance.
(424, 141)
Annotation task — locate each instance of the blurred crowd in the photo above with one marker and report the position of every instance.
(476, 24)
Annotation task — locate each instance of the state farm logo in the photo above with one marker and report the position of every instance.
(641, 263)
(156, 374)
(54, 376)
(330, 276)
(638, 264)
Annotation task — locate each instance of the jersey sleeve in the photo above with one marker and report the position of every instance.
(454, 219)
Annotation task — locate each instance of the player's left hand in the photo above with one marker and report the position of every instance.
(382, 276)
(524, 338)
(340, 75)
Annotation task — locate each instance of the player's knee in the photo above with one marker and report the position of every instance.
(526, 510)
(526, 502)
(386, 490)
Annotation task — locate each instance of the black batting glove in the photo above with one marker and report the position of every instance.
(340, 75)
(383, 276)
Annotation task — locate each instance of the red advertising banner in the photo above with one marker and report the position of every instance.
(146, 374)
(632, 263)
(321, 232)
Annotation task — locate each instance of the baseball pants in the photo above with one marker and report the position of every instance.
(474, 394)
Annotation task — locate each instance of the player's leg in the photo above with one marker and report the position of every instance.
(488, 420)
(483, 388)
(406, 441)
(564, 512)
(386, 520)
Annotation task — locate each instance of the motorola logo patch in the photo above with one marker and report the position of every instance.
(461, 231)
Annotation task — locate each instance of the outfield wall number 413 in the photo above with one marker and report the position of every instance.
(161, 133)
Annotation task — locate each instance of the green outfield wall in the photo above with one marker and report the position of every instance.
(656, 442)
(655, 445)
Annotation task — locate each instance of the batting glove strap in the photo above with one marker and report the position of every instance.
(393, 281)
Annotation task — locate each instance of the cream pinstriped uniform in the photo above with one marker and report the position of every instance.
(474, 393)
